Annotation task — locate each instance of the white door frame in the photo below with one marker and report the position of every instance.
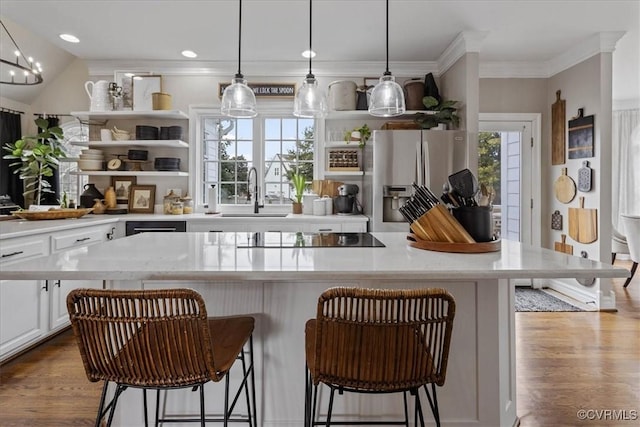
(531, 171)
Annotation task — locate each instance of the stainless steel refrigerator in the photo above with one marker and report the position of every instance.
(402, 157)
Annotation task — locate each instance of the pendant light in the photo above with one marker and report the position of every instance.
(387, 97)
(310, 101)
(238, 99)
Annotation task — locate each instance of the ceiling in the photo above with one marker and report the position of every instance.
(524, 32)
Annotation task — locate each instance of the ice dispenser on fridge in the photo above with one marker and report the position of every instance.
(393, 197)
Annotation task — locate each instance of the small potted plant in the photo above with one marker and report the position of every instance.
(361, 135)
(440, 112)
(37, 157)
(298, 182)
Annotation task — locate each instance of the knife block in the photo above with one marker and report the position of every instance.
(437, 225)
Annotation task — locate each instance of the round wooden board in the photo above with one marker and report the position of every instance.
(466, 248)
(564, 188)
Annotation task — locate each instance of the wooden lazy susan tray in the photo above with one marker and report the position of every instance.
(466, 248)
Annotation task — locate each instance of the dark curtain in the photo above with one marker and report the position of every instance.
(52, 198)
(10, 183)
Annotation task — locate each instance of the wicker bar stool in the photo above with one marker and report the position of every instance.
(378, 341)
(161, 340)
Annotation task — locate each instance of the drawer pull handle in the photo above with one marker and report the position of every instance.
(12, 254)
(325, 229)
(83, 239)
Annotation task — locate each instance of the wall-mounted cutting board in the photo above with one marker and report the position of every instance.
(558, 130)
(583, 224)
(585, 174)
(564, 187)
(563, 247)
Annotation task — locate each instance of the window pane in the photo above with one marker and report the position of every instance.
(245, 150)
(244, 129)
(289, 128)
(272, 128)
(305, 129)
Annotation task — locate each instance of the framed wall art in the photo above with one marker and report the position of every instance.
(122, 186)
(143, 87)
(581, 136)
(142, 198)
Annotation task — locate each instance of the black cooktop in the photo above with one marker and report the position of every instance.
(274, 239)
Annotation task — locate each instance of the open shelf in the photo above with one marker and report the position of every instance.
(129, 114)
(171, 143)
(131, 173)
(364, 114)
(343, 173)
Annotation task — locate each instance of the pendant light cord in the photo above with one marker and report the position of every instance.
(310, 75)
(387, 72)
(239, 73)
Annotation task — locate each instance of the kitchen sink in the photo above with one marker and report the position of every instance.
(254, 215)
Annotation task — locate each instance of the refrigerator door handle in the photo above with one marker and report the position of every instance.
(419, 164)
(426, 181)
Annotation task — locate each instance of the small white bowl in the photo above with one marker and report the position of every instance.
(90, 165)
(91, 156)
(119, 136)
(91, 151)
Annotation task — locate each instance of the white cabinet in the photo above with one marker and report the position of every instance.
(327, 227)
(31, 310)
(23, 303)
(249, 225)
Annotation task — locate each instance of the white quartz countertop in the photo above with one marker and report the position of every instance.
(215, 256)
(20, 228)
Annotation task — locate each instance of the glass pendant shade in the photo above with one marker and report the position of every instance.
(310, 100)
(238, 99)
(387, 98)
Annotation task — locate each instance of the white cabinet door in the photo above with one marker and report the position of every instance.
(23, 314)
(58, 291)
(354, 227)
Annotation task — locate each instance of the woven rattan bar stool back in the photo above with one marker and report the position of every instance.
(161, 340)
(378, 341)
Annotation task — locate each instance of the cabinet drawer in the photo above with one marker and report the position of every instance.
(23, 248)
(78, 238)
(328, 227)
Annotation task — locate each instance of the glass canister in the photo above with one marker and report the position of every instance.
(187, 204)
(177, 208)
(168, 201)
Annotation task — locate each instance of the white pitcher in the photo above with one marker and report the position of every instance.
(99, 95)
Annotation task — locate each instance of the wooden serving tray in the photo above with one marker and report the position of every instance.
(466, 248)
(52, 214)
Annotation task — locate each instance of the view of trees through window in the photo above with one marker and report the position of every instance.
(231, 149)
(489, 162)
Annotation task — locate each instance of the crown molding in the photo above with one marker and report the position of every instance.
(299, 69)
(465, 42)
(604, 42)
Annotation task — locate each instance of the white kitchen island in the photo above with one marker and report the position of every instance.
(280, 287)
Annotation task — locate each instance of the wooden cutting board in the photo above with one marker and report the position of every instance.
(563, 247)
(583, 224)
(564, 187)
(558, 130)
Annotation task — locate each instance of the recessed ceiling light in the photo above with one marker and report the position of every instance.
(308, 54)
(69, 38)
(189, 54)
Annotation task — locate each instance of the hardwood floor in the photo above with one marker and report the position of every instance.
(565, 362)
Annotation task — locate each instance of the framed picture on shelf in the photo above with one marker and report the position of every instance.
(122, 186)
(143, 87)
(124, 79)
(141, 198)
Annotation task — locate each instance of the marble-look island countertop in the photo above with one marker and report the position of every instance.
(206, 256)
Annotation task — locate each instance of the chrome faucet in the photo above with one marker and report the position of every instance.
(256, 203)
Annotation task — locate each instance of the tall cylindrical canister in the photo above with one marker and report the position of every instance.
(212, 199)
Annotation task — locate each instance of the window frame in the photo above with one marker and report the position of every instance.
(196, 164)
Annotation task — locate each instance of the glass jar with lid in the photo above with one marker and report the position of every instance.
(177, 208)
(187, 204)
(168, 201)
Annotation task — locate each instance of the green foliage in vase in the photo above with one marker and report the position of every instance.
(442, 112)
(298, 182)
(37, 157)
(365, 134)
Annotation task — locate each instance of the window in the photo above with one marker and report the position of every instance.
(230, 147)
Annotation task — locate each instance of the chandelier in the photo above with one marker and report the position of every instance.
(22, 71)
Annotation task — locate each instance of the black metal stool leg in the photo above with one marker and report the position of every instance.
(634, 267)
(433, 402)
(245, 375)
(102, 398)
(202, 405)
(144, 405)
(330, 407)
(419, 407)
(315, 401)
(307, 397)
(157, 407)
(253, 382)
(226, 400)
(114, 402)
(406, 409)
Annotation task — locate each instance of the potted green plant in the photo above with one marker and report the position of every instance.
(361, 135)
(439, 112)
(37, 157)
(298, 182)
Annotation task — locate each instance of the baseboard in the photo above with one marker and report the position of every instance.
(590, 299)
